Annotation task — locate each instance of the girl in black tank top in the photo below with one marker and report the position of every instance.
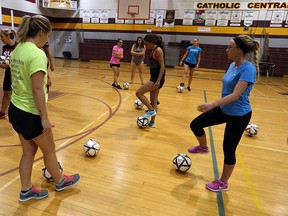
(157, 77)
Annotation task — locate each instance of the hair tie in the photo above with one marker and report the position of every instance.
(240, 44)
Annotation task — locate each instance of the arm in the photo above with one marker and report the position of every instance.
(49, 56)
(117, 55)
(184, 57)
(238, 90)
(198, 61)
(37, 80)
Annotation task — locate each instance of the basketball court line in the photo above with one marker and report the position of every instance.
(221, 209)
(40, 161)
(250, 184)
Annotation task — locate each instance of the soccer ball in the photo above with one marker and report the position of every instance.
(180, 89)
(252, 129)
(47, 175)
(182, 162)
(142, 122)
(126, 85)
(91, 148)
(138, 104)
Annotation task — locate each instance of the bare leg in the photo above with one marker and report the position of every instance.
(154, 99)
(140, 67)
(190, 76)
(227, 172)
(29, 149)
(146, 87)
(202, 141)
(133, 67)
(46, 143)
(116, 73)
(186, 67)
(6, 100)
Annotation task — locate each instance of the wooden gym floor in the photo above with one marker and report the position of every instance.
(133, 173)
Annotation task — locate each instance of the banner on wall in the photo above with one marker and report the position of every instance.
(199, 17)
(188, 17)
(223, 17)
(236, 17)
(60, 4)
(248, 18)
(277, 19)
(152, 17)
(211, 16)
(286, 21)
(159, 18)
(169, 18)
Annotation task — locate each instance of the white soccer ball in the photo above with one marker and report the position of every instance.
(47, 175)
(142, 122)
(126, 85)
(252, 129)
(91, 148)
(182, 162)
(138, 104)
(180, 89)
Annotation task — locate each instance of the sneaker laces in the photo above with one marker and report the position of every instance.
(68, 177)
(35, 189)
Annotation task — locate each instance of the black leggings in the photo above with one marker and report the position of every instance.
(235, 126)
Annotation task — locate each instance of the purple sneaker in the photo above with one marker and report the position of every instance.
(198, 149)
(217, 185)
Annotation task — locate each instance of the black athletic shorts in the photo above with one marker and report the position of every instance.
(7, 81)
(24, 123)
(191, 66)
(114, 65)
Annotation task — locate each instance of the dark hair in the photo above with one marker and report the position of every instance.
(30, 26)
(139, 45)
(155, 39)
(119, 39)
(10, 33)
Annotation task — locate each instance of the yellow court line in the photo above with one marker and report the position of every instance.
(265, 148)
(250, 184)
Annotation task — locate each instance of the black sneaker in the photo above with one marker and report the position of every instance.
(118, 87)
(113, 85)
(188, 88)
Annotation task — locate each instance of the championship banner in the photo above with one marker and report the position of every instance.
(60, 4)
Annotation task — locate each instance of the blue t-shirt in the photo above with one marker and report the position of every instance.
(244, 72)
(193, 54)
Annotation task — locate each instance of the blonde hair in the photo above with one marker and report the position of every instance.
(252, 47)
(30, 26)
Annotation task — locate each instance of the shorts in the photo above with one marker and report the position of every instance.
(7, 81)
(114, 65)
(24, 123)
(191, 66)
(154, 76)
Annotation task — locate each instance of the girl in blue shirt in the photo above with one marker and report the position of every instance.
(233, 108)
(191, 60)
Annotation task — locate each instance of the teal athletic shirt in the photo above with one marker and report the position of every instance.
(244, 72)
